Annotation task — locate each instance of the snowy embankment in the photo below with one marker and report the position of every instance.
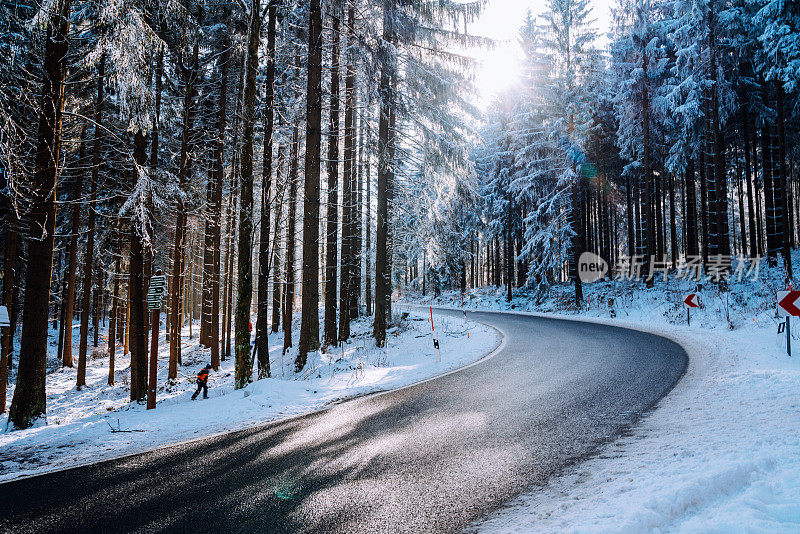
(99, 422)
(720, 453)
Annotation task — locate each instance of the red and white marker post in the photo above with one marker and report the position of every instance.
(435, 341)
(690, 301)
(788, 306)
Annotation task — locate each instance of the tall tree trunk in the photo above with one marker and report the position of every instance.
(782, 191)
(276, 257)
(673, 228)
(348, 191)
(692, 239)
(309, 319)
(89, 256)
(748, 176)
(233, 225)
(332, 212)
(720, 175)
(358, 207)
(649, 220)
(69, 301)
(368, 226)
(740, 179)
(264, 255)
(771, 216)
(290, 242)
(137, 331)
(757, 196)
(9, 279)
(232, 219)
(216, 224)
(178, 252)
(244, 294)
(112, 323)
(98, 302)
(509, 248)
(29, 402)
(385, 162)
(629, 213)
(704, 207)
(216, 212)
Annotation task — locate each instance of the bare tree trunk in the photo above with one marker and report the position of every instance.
(264, 256)
(748, 176)
(309, 318)
(290, 243)
(69, 301)
(368, 226)
(782, 190)
(673, 232)
(112, 323)
(97, 303)
(358, 203)
(136, 327)
(216, 208)
(276, 256)
(29, 402)
(9, 278)
(650, 237)
(244, 294)
(89, 256)
(692, 239)
(232, 225)
(385, 162)
(189, 75)
(348, 191)
(332, 215)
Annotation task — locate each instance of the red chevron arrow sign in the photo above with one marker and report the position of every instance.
(691, 301)
(788, 302)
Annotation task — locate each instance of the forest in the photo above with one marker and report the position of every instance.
(317, 157)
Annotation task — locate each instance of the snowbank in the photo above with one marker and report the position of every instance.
(100, 423)
(720, 452)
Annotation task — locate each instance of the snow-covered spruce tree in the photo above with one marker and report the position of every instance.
(421, 89)
(639, 67)
(777, 28)
(535, 146)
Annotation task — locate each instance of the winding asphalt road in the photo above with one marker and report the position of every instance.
(428, 458)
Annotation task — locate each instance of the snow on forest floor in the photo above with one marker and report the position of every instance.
(720, 453)
(79, 423)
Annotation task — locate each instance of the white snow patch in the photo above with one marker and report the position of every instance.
(720, 453)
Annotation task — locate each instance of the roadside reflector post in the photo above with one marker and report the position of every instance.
(435, 341)
(155, 294)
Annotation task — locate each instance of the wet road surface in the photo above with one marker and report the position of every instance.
(428, 458)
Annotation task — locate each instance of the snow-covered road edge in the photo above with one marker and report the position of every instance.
(487, 342)
(717, 453)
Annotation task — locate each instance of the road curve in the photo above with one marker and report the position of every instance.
(428, 458)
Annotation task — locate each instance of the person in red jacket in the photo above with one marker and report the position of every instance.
(202, 382)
